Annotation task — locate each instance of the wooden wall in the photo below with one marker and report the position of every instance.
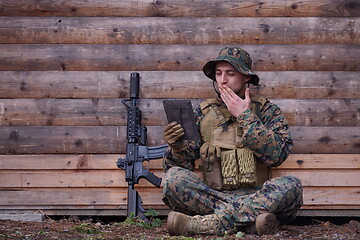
(65, 65)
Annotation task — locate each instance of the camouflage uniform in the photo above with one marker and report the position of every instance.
(269, 137)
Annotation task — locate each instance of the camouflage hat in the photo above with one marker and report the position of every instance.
(237, 57)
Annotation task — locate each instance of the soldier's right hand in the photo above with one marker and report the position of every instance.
(173, 132)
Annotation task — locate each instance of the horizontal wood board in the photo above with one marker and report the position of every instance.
(294, 162)
(109, 112)
(181, 8)
(140, 30)
(151, 57)
(173, 84)
(110, 139)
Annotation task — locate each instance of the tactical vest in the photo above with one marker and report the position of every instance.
(227, 163)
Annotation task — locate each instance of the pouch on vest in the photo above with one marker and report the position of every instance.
(211, 168)
(238, 168)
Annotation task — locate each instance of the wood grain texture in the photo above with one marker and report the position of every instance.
(75, 198)
(321, 161)
(180, 8)
(141, 57)
(70, 179)
(116, 178)
(109, 112)
(140, 30)
(172, 84)
(111, 139)
(107, 162)
(323, 178)
(116, 198)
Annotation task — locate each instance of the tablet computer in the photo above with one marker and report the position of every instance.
(181, 111)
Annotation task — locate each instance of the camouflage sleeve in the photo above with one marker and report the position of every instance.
(269, 138)
(184, 157)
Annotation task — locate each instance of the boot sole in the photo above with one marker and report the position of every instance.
(173, 226)
(266, 223)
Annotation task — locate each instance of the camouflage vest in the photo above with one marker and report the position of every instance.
(227, 163)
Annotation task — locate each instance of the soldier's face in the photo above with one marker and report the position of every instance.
(226, 74)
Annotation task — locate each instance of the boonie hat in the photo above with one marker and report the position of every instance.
(237, 57)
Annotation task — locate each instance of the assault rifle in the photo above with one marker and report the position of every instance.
(137, 151)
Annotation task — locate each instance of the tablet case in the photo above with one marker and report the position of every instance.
(181, 111)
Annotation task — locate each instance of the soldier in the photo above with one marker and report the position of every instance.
(242, 136)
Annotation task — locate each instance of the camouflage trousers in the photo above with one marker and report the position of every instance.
(184, 191)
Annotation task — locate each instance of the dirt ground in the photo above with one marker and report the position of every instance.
(91, 229)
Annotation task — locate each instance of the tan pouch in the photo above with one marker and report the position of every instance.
(229, 169)
(247, 167)
(238, 168)
(211, 167)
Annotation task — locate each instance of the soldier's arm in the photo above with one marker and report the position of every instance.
(186, 156)
(269, 138)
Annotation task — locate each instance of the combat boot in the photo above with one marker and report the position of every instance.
(265, 223)
(182, 224)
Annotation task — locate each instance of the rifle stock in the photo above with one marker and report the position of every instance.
(137, 152)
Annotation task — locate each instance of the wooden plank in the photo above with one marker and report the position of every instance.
(69, 179)
(77, 197)
(323, 178)
(112, 198)
(328, 196)
(111, 139)
(107, 112)
(171, 84)
(140, 30)
(116, 178)
(180, 8)
(115, 57)
(320, 112)
(326, 139)
(346, 211)
(64, 162)
(107, 161)
(108, 139)
(321, 161)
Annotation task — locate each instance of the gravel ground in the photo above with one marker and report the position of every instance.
(73, 228)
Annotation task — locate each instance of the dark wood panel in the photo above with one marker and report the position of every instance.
(163, 8)
(280, 30)
(111, 139)
(326, 139)
(171, 84)
(321, 112)
(73, 57)
(108, 112)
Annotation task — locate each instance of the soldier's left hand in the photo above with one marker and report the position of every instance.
(235, 104)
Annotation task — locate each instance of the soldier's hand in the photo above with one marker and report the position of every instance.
(234, 103)
(173, 132)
